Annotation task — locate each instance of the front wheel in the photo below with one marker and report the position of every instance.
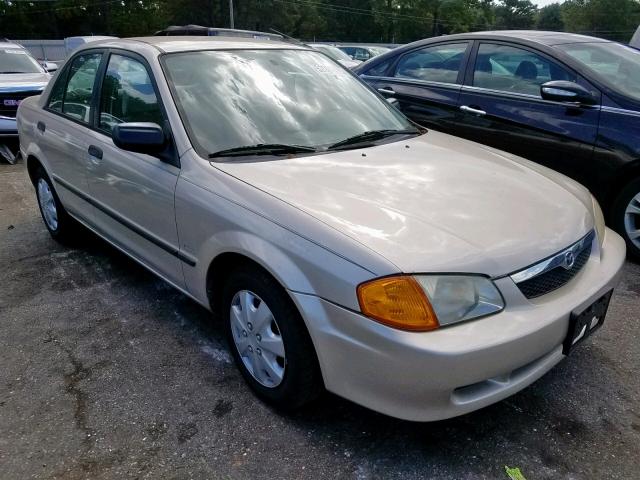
(269, 340)
(626, 216)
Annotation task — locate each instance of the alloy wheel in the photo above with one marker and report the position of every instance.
(632, 220)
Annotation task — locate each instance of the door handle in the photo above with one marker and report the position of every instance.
(41, 126)
(95, 152)
(388, 91)
(473, 111)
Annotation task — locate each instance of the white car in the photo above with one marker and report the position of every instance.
(338, 55)
(415, 273)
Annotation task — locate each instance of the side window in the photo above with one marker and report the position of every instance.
(379, 70)
(351, 51)
(438, 63)
(127, 94)
(77, 96)
(362, 54)
(512, 69)
(57, 92)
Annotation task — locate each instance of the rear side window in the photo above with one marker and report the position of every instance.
(57, 92)
(79, 91)
(127, 94)
(511, 69)
(379, 70)
(438, 63)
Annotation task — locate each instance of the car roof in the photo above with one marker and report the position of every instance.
(537, 36)
(170, 44)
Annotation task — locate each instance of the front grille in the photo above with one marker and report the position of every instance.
(8, 100)
(554, 272)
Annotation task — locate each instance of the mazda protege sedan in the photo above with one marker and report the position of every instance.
(415, 273)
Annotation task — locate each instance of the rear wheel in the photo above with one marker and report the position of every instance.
(61, 226)
(626, 216)
(268, 340)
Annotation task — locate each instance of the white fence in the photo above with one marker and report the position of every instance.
(45, 50)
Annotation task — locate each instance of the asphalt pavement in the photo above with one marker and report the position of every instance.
(108, 373)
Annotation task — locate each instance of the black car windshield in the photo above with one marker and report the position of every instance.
(615, 65)
(17, 60)
(241, 98)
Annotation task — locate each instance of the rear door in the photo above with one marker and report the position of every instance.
(427, 82)
(63, 130)
(133, 192)
(502, 107)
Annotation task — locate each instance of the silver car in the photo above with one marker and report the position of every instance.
(412, 272)
(21, 76)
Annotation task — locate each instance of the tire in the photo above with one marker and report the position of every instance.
(295, 379)
(62, 227)
(626, 217)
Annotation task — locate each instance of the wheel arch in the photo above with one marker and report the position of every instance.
(626, 175)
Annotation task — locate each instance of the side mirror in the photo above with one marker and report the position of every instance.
(50, 66)
(139, 137)
(564, 91)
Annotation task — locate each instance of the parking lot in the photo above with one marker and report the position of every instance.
(106, 372)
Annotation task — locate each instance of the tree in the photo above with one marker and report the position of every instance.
(612, 19)
(550, 18)
(515, 14)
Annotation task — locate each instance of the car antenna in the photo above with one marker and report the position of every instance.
(288, 37)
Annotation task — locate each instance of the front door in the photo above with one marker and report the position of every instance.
(133, 193)
(502, 107)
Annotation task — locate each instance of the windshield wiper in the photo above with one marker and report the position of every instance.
(262, 149)
(370, 136)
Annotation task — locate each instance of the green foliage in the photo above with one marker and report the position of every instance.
(515, 14)
(612, 19)
(396, 21)
(550, 18)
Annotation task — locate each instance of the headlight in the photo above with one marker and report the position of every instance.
(598, 219)
(426, 302)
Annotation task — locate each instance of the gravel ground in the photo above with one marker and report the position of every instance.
(108, 373)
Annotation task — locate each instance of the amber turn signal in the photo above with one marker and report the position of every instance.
(397, 302)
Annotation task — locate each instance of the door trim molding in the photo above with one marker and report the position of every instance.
(158, 242)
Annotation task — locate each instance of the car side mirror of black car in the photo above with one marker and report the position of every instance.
(565, 91)
(139, 137)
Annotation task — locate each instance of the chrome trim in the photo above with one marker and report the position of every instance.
(524, 96)
(412, 81)
(621, 111)
(24, 88)
(565, 258)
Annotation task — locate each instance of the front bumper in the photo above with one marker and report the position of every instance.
(8, 127)
(457, 369)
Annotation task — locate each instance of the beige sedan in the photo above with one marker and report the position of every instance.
(412, 272)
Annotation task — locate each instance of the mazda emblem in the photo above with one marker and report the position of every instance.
(569, 260)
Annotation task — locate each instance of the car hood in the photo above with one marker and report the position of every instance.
(20, 82)
(433, 203)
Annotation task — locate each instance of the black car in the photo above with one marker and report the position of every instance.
(570, 102)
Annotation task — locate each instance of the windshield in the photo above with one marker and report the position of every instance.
(333, 52)
(615, 65)
(16, 60)
(239, 98)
